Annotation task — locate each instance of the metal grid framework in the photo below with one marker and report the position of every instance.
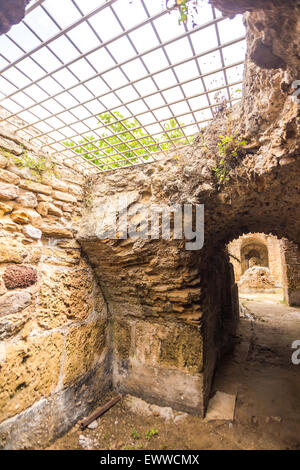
(107, 89)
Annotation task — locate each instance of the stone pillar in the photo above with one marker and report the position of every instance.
(290, 253)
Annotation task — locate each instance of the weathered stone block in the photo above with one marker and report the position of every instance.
(3, 161)
(53, 210)
(166, 387)
(5, 208)
(10, 146)
(8, 191)
(10, 325)
(34, 254)
(56, 231)
(20, 217)
(36, 187)
(7, 224)
(27, 199)
(64, 295)
(42, 208)
(64, 196)
(13, 302)
(19, 277)
(32, 232)
(71, 176)
(122, 338)
(84, 347)
(30, 371)
(60, 257)
(183, 348)
(11, 251)
(42, 422)
(9, 177)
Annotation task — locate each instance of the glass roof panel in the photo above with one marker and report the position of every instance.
(75, 71)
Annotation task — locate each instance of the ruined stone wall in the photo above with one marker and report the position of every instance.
(155, 289)
(54, 337)
(291, 272)
(173, 310)
(274, 254)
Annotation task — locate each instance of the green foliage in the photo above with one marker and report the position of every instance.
(230, 145)
(125, 138)
(134, 434)
(187, 9)
(229, 149)
(38, 165)
(151, 433)
(183, 11)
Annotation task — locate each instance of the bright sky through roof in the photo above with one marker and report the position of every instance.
(70, 60)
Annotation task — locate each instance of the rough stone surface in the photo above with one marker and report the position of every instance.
(36, 187)
(12, 324)
(56, 231)
(8, 191)
(158, 281)
(11, 251)
(32, 232)
(8, 144)
(171, 312)
(256, 279)
(42, 422)
(27, 199)
(20, 217)
(64, 295)
(64, 196)
(14, 302)
(83, 349)
(3, 161)
(9, 177)
(19, 277)
(26, 384)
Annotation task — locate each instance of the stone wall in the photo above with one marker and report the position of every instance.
(173, 310)
(156, 289)
(291, 272)
(54, 335)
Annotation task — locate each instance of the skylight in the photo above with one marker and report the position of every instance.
(108, 84)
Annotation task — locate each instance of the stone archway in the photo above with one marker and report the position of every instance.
(253, 253)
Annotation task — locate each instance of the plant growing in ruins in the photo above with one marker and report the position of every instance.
(230, 148)
(38, 165)
(134, 434)
(151, 433)
(187, 9)
(124, 141)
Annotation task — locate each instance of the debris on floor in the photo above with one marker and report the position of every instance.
(139, 406)
(221, 406)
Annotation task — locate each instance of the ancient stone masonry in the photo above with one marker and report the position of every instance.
(54, 337)
(80, 312)
(291, 273)
(174, 311)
